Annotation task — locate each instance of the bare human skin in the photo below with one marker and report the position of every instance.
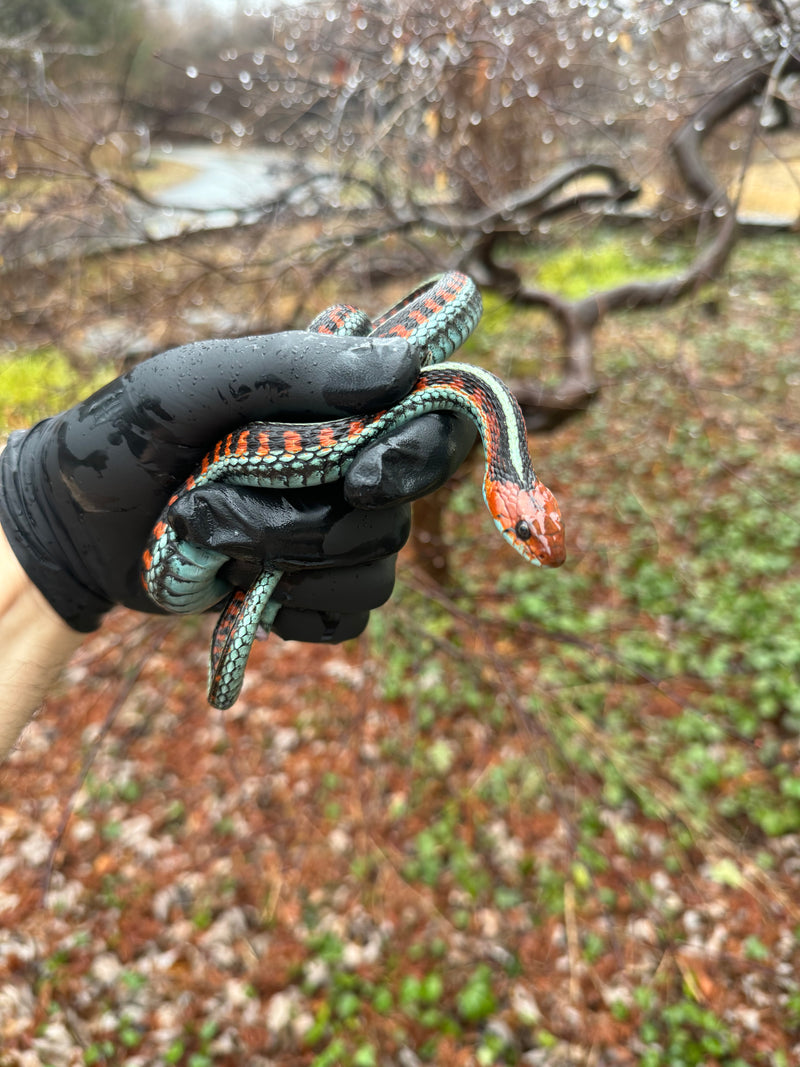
(35, 645)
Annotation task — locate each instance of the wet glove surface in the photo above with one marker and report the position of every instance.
(80, 492)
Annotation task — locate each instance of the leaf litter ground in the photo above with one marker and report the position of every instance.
(536, 818)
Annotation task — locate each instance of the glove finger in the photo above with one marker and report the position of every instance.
(336, 589)
(410, 462)
(199, 391)
(319, 627)
(340, 589)
(300, 528)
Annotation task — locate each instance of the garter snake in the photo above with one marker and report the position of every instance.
(436, 318)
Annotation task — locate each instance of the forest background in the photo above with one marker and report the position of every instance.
(527, 818)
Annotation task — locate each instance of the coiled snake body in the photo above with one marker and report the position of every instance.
(436, 318)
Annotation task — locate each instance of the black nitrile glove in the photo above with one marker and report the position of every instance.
(80, 492)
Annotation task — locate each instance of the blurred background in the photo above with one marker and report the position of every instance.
(527, 818)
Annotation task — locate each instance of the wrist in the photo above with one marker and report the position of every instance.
(36, 516)
(35, 644)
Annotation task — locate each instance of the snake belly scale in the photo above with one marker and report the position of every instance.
(436, 318)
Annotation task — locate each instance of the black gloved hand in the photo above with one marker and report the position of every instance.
(80, 492)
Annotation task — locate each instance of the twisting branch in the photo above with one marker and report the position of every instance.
(578, 319)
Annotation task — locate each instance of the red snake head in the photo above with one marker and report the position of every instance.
(530, 520)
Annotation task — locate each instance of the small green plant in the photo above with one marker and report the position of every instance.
(175, 1052)
(99, 1052)
(688, 1034)
(476, 1000)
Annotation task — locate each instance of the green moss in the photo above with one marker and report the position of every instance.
(579, 269)
(36, 384)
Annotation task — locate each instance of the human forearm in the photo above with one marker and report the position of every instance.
(35, 644)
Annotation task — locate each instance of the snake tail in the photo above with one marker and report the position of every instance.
(234, 634)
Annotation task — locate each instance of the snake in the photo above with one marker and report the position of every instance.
(435, 318)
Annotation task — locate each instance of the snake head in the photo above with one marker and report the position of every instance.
(530, 520)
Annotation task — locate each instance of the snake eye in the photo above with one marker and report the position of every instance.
(523, 530)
